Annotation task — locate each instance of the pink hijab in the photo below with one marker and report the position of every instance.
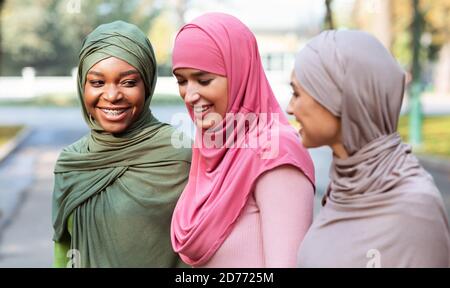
(222, 178)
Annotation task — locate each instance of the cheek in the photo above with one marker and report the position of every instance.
(300, 109)
(322, 129)
(221, 100)
(182, 91)
(90, 98)
(138, 95)
(331, 129)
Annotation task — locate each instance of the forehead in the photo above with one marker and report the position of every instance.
(294, 82)
(111, 64)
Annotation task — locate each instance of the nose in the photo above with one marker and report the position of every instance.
(112, 94)
(192, 94)
(290, 108)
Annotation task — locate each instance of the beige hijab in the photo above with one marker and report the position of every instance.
(382, 209)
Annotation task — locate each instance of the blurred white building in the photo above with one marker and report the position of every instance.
(280, 27)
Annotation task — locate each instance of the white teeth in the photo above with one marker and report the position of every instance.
(201, 109)
(113, 112)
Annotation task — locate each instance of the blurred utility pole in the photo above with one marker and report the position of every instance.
(329, 15)
(415, 89)
(442, 82)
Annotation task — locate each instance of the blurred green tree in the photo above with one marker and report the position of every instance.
(328, 21)
(392, 21)
(47, 34)
(1, 10)
(435, 29)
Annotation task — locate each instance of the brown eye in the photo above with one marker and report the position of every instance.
(129, 83)
(96, 83)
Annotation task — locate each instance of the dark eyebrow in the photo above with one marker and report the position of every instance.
(199, 73)
(96, 73)
(128, 73)
(292, 84)
(122, 74)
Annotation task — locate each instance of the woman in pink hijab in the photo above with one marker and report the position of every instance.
(382, 209)
(249, 199)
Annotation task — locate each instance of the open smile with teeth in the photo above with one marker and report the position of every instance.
(114, 111)
(201, 109)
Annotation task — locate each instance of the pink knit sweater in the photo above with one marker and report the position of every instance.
(272, 225)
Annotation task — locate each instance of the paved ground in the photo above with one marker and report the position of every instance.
(26, 241)
(442, 180)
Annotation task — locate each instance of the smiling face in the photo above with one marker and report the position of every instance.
(114, 94)
(318, 126)
(205, 94)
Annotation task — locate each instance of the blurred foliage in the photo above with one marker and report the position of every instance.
(47, 34)
(416, 31)
(436, 14)
(161, 33)
(328, 20)
(1, 30)
(8, 132)
(436, 135)
(391, 21)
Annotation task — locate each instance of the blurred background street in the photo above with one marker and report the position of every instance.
(40, 113)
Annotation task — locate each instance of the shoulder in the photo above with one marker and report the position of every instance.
(284, 176)
(78, 147)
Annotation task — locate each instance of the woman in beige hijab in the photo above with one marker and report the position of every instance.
(382, 209)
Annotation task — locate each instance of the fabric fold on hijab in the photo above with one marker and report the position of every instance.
(223, 176)
(380, 198)
(120, 189)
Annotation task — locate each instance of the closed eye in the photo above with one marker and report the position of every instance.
(204, 82)
(181, 81)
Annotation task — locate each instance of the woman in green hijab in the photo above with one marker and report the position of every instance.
(115, 188)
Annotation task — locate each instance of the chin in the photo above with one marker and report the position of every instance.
(204, 127)
(308, 144)
(200, 125)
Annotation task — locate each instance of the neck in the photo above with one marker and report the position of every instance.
(339, 150)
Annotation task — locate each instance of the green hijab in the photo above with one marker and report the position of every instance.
(120, 189)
